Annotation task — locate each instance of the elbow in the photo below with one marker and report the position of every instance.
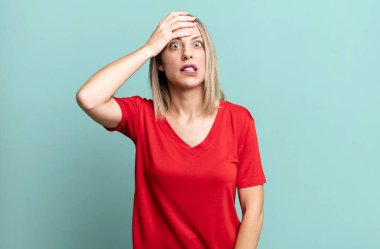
(81, 100)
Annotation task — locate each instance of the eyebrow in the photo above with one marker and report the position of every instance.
(196, 37)
(191, 38)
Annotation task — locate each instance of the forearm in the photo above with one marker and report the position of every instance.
(103, 85)
(249, 231)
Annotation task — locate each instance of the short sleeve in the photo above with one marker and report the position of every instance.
(249, 169)
(129, 123)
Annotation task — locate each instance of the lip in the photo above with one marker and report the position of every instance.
(189, 65)
(190, 73)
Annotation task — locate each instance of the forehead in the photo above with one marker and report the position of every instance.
(195, 31)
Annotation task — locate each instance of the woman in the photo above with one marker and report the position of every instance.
(192, 149)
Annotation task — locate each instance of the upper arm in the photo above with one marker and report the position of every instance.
(119, 114)
(252, 199)
(107, 114)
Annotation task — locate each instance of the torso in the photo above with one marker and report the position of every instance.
(194, 132)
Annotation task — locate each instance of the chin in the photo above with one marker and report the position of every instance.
(188, 84)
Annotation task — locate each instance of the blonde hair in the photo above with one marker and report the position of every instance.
(212, 87)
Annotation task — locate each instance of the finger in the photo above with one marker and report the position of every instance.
(176, 19)
(174, 14)
(179, 25)
(178, 34)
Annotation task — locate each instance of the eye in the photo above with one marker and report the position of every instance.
(176, 45)
(200, 43)
(172, 45)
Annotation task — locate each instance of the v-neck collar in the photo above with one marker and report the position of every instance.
(206, 141)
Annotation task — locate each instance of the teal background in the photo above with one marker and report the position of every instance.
(307, 70)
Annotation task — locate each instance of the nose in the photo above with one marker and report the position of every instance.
(187, 53)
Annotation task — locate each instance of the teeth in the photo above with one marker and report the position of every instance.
(189, 69)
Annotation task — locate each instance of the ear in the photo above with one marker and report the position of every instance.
(161, 68)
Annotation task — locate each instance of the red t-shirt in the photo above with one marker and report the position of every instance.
(185, 196)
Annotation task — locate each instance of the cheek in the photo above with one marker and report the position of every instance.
(170, 70)
(202, 62)
(202, 57)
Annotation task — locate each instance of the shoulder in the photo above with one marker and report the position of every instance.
(238, 112)
(241, 118)
(134, 99)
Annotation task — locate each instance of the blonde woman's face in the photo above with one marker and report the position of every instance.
(181, 51)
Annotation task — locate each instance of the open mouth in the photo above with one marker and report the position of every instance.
(189, 68)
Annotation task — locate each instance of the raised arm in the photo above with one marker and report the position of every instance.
(95, 96)
(103, 85)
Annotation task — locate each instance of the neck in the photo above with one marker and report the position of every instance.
(186, 104)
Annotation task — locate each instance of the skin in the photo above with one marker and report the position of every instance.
(252, 206)
(186, 91)
(184, 114)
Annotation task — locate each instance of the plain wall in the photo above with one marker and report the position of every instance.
(307, 71)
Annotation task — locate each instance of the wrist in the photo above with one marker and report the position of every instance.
(146, 52)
